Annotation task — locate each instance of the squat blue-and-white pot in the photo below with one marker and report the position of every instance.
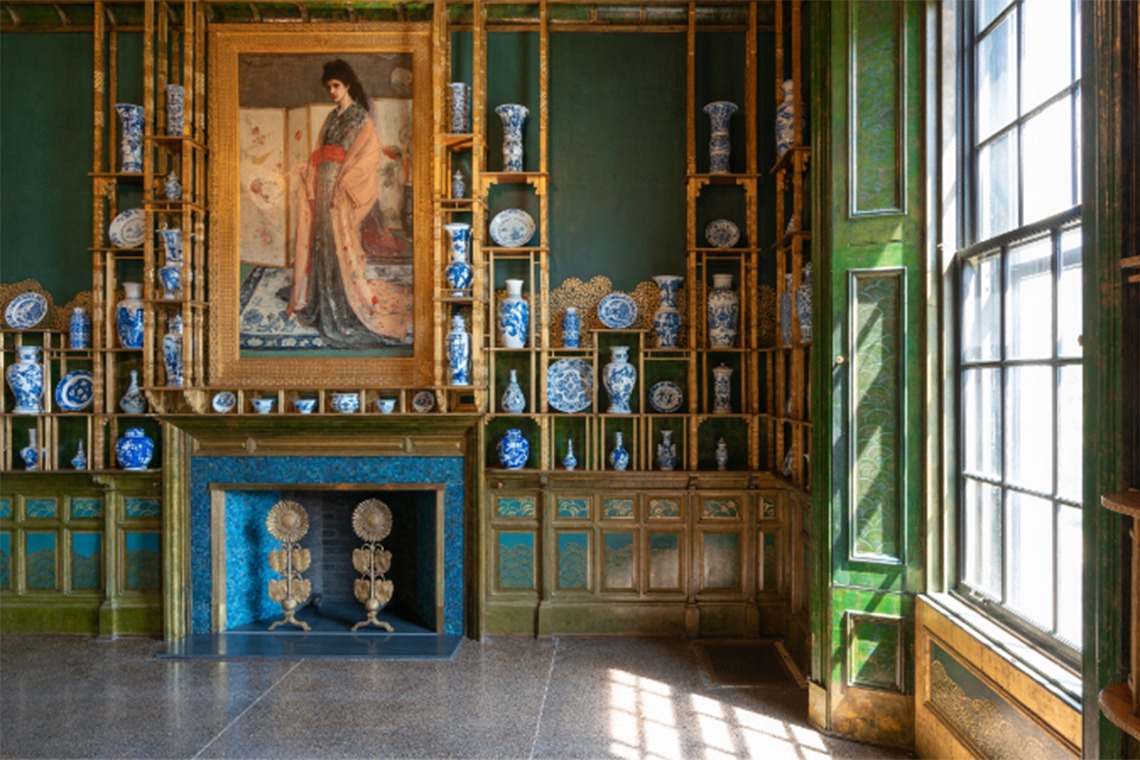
(135, 450)
(513, 449)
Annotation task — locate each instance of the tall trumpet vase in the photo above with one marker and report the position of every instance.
(513, 116)
(130, 137)
(720, 146)
(667, 319)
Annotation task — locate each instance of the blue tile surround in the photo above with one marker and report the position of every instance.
(411, 471)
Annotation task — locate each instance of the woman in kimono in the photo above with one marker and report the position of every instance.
(339, 189)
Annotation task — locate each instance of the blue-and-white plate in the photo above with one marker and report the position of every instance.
(25, 311)
(75, 391)
(128, 229)
(721, 233)
(224, 402)
(569, 385)
(512, 228)
(666, 397)
(617, 311)
(424, 401)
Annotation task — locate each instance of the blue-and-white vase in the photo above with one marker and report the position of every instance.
(803, 304)
(171, 187)
(30, 454)
(723, 312)
(513, 400)
(133, 401)
(172, 351)
(458, 107)
(129, 316)
(667, 319)
(79, 461)
(514, 317)
(571, 327)
(175, 110)
(79, 329)
(171, 274)
(720, 145)
(722, 389)
(26, 380)
(458, 352)
(135, 450)
(666, 451)
(513, 449)
(569, 461)
(458, 274)
(458, 185)
(785, 129)
(513, 116)
(619, 377)
(786, 311)
(619, 457)
(130, 137)
(721, 455)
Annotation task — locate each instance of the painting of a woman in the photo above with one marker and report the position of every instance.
(331, 292)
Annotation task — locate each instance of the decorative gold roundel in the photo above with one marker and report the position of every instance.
(372, 520)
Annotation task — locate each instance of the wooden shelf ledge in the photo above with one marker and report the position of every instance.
(1126, 503)
(1116, 704)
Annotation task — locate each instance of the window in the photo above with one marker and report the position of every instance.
(1019, 318)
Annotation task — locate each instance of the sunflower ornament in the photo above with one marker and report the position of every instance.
(372, 521)
(288, 522)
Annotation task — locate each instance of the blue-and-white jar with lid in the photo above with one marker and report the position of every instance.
(79, 329)
(513, 449)
(135, 450)
(26, 380)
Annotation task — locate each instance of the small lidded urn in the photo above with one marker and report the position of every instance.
(134, 450)
(458, 185)
(79, 329)
(513, 449)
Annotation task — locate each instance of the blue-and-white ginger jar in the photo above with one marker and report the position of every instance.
(458, 352)
(618, 377)
(513, 449)
(514, 317)
(130, 137)
(135, 450)
(26, 380)
(79, 329)
(619, 457)
(458, 185)
(571, 328)
(129, 316)
(171, 187)
(513, 116)
(723, 312)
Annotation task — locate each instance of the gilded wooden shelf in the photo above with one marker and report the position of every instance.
(1126, 503)
(1116, 704)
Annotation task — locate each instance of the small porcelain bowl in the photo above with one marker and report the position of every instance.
(386, 405)
(345, 403)
(263, 405)
(305, 405)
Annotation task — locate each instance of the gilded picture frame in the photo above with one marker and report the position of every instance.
(320, 216)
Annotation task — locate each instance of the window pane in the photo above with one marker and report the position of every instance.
(1069, 297)
(1029, 301)
(1070, 433)
(1069, 560)
(1077, 139)
(981, 422)
(987, 11)
(1046, 66)
(981, 308)
(997, 78)
(1029, 554)
(1028, 431)
(981, 551)
(1047, 162)
(997, 186)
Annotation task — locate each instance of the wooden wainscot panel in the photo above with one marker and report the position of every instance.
(971, 701)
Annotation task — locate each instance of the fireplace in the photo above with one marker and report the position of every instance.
(226, 474)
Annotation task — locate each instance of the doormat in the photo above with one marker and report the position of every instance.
(749, 663)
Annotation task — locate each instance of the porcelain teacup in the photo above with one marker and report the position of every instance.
(386, 405)
(346, 403)
(263, 405)
(305, 405)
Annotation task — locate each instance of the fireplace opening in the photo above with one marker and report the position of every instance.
(244, 604)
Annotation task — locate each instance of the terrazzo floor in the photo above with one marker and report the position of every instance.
(581, 697)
